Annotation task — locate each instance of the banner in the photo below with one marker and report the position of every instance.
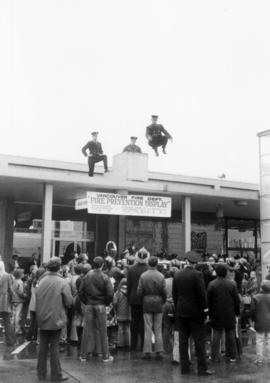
(118, 204)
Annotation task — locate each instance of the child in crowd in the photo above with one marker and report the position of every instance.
(18, 300)
(168, 314)
(260, 312)
(123, 315)
(33, 330)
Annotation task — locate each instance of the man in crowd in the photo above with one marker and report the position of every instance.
(224, 307)
(96, 292)
(189, 296)
(6, 293)
(95, 154)
(133, 276)
(53, 296)
(152, 292)
(157, 135)
(132, 147)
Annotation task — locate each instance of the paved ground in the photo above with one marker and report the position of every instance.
(127, 368)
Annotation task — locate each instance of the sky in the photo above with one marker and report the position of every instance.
(70, 67)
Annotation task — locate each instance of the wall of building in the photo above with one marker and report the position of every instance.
(6, 229)
(156, 235)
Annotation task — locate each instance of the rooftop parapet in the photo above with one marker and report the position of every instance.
(130, 166)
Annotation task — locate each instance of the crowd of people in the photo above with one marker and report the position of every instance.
(155, 305)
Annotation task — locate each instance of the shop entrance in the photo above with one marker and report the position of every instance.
(65, 247)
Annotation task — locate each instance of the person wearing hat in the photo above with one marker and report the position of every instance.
(53, 297)
(95, 154)
(157, 135)
(132, 147)
(133, 276)
(191, 311)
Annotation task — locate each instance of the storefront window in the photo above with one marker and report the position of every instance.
(67, 236)
(243, 238)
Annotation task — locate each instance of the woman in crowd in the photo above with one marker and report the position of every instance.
(6, 294)
(18, 300)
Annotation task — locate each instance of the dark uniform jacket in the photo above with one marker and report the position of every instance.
(94, 148)
(132, 149)
(223, 303)
(189, 294)
(134, 273)
(156, 130)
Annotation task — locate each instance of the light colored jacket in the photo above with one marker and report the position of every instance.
(53, 296)
(18, 289)
(6, 293)
(152, 291)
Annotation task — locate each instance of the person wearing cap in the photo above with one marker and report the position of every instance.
(95, 154)
(133, 276)
(53, 297)
(132, 147)
(224, 308)
(191, 311)
(157, 135)
(96, 292)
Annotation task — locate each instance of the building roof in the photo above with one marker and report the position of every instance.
(22, 178)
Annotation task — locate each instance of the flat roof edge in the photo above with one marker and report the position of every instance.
(55, 165)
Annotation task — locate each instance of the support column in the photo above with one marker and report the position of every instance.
(122, 228)
(7, 211)
(47, 222)
(96, 235)
(186, 220)
(264, 157)
(113, 226)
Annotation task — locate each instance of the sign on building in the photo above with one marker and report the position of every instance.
(133, 205)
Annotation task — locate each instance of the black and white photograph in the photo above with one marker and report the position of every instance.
(134, 191)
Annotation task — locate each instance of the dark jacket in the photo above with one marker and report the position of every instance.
(223, 303)
(189, 294)
(94, 148)
(96, 288)
(154, 130)
(260, 311)
(133, 276)
(53, 296)
(152, 291)
(132, 149)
